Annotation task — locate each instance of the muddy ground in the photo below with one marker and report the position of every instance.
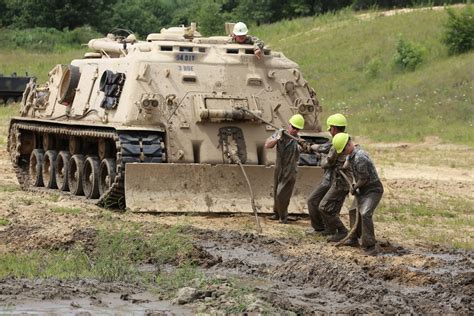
(288, 271)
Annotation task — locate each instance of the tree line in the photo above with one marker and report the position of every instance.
(148, 16)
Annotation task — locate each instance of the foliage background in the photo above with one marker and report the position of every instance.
(147, 16)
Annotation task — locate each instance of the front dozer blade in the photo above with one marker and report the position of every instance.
(154, 187)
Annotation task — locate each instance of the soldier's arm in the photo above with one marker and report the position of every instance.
(257, 46)
(363, 177)
(272, 140)
(257, 43)
(321, 148)
(330, 160)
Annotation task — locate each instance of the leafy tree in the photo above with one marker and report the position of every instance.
(140, 16)
(459, 30)
(408, 56)
(210, 18)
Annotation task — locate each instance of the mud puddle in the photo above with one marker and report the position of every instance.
(103, 304)
(305, 276)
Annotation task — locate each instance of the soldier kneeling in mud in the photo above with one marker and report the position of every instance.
(367, 189)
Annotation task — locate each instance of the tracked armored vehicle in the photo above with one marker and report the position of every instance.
(12, 87)
(150, 125)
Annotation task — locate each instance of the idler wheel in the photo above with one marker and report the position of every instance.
(90, 177)
(62, 167)
(107, 175)
(74, 174)
(36, 164)
(49, 169)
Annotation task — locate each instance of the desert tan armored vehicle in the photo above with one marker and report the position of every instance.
(152, 125)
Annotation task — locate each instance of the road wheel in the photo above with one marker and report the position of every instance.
(90, 177)
(74, 174)
(36, 163)
(49, 169)
(107, 175)
(62, 166)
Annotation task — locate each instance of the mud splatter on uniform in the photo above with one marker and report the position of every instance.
(287, 156)
(368, 197)
(328, 197)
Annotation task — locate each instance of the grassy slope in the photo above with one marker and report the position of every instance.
(35, 63)
(336, 51)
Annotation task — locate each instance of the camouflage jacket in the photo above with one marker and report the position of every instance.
(364, 169)
(251, 40)
(332, 163)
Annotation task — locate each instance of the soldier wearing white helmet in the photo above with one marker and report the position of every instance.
(239, 35)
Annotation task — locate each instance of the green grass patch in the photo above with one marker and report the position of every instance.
(9, 188)
(294, 233)
(35, 64)
(4, 221)
(448, 222)
(67, 210)
(54, 197)
(168, 283)
(43, 264)
(117, 256)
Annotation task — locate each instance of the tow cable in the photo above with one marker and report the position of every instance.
(357, 219)
(235, 158)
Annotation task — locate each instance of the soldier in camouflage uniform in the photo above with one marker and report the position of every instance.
(368, 190)
(240, 36)
(287, 157)
(326, 200)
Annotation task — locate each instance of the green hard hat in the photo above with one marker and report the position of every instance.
(339, 141)
(336, 120)
(297, 121)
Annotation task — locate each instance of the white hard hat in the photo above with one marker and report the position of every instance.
(240, 29)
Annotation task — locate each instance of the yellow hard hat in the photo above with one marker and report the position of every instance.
(336, 120)
(297, 121)
(240, 29)
(340, 141)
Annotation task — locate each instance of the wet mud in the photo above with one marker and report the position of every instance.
(306, 277)
(286, 270)
(302, 276)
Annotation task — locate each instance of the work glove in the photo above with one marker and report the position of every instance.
(258, 53)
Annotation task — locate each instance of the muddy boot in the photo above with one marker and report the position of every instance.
(330, 229)
(339, 231)
(371, 251)
(336, 237)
